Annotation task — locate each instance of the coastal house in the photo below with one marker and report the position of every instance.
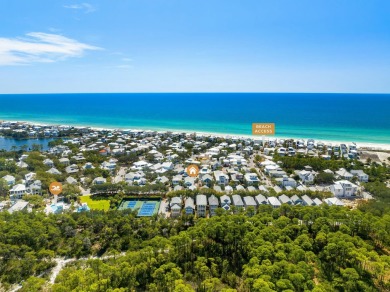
(88, 165)
(274, 202)
(71, 181)
(261, 200)
(17, 191)
(307, 201)
(225, 202)
(333, 202)
(285, 199)
(9, 179)
(307, 177)
(189, 181)
(361, 176)
(99, 180)
(48, 162)
(251, 178)
(201, 205)
(344, 174)
(64, 161)
(189, 206)
(175, 206)
(296, 200)
(207, 179)
(35, 188)
(317, 201)
(286, 181)
(237, 202)
(221, 178)
(177, 179)
(249, 201)
(30, 177)
(54, 170)
(213, 204)
(344, 188)
(72, 169)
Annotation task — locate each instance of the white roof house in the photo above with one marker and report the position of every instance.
(251, 178)
(18, 206)
(18, 190)
(249, 202)
(363, 177)
(285, 199)
(10, 180)
(274, 202)
(333, 202)
(344, 188)
(261, 200)
(189, 206)
(343, 173)
(307, 201)
(221, 178)
(201, 205)
(99, 181)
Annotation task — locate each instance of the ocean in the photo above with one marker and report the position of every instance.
(337, 117)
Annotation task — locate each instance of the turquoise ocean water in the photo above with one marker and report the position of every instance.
(338, 117)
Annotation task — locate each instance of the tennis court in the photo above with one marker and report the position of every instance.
(131, 204)
(147, 209)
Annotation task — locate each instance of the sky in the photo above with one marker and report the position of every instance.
(62, 46)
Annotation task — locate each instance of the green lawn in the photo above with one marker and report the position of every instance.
(95, 205)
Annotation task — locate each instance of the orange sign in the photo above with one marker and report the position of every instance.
(263, 129)
(193, 170)
(55, 188)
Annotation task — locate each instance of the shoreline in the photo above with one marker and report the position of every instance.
(360, 145)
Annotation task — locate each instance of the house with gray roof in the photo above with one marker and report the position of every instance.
(307, 201)
(285, 199)
(274, 202)
(213, 204)
(237, 202)
(189, 206)
(225, 202)
(261, 200)
(201, 205)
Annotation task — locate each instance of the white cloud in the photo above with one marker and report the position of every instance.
(88, 8)
(40, 47)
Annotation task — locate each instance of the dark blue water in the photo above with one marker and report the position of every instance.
(7, 143)
(352, 117)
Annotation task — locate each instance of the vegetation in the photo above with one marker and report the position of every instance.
(103, 205)
(286, 249)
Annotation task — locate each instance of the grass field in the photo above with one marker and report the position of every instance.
(95, 205)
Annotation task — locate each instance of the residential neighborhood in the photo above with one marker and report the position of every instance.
(235, 173)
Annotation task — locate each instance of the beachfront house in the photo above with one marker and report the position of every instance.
(213, 204)
(201, 205)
